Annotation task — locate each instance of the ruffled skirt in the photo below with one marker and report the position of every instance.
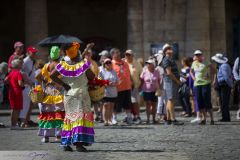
(52, 114)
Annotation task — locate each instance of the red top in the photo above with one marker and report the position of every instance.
(15, 91)
(13, 77)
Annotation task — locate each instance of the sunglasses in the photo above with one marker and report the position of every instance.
(127, 54)
(108, 63)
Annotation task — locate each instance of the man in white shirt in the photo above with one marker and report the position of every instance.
(28, 70)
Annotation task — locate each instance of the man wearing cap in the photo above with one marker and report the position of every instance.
(170, 83)
(18, 51)
(135, 70)
(124, 86)
(225, 83)
(28, 70)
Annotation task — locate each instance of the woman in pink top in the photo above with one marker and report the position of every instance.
(150, 80)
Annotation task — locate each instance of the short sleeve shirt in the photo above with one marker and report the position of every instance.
(13, 77)
(201, 72)
(169, 62)
(150, 80)
(135, 70)
(110, 91)
(123, 73)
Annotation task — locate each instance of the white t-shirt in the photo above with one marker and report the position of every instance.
(110, 91)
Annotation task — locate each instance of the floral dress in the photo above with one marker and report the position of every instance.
(78, 122)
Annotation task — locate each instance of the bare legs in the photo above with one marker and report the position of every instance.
(151, 110)
(170, 110)
(14, 117)
(107, 112)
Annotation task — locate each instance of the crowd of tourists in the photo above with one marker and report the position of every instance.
(67, 112)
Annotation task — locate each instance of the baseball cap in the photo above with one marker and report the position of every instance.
(32, 49)
(18, 44)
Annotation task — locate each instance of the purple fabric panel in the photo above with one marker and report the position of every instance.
(75, 73)
(78, 130)
(53, 132)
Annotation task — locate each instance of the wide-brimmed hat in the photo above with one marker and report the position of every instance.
(129, 51)
(150, 61)
(166, 47)
(220, 58)
(198, 52)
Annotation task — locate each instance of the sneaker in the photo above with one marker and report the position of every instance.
(45, 140)
(129, 120)
(134, 119)
(196, 120)
(114, 121)
(138, 121)
(175, 122)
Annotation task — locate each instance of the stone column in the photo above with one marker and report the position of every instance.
(135, 27)
(197, 27)
(217, 26)
(36, 24)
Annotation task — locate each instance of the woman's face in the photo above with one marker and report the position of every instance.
(150, 66)
(200, 58)
(108, 65)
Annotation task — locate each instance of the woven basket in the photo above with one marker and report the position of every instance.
(36, 97)
(97, 94)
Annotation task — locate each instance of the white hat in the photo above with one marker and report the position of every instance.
(104, 53)
(165, 47)
(197, 52)
(150, 61)
(220, 58)
(129, 51)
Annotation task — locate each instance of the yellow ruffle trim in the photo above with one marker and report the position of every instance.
(82, 122)
(53, 99)
(72, 67)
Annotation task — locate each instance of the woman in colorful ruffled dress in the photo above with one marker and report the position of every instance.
(52, 110)
(78, 123)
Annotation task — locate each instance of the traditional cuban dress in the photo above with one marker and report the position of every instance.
(78, 122)
(52, 111)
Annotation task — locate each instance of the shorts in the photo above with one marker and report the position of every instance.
(109, 99)
(203, 94)
(123, 101)
(150, 96)
(170, 90)
(134, 95)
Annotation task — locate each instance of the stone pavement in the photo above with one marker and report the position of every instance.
(135, 142)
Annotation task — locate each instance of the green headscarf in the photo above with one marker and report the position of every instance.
(55, 52)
